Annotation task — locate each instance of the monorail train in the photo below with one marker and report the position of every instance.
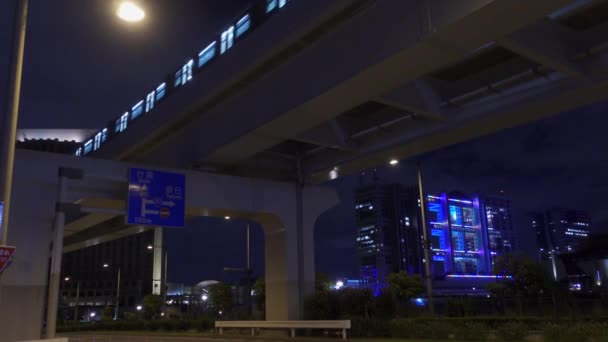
(256, 15)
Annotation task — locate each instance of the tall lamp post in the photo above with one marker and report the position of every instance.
(127, 11)
(117, 291)
(9, 126)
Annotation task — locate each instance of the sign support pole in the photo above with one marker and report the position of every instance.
(55, 274)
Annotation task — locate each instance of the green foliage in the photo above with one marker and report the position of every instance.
(579, 332)
(529, 277)
(385, 307)
(259, 288)
(107, 313)
(355, 302)
(152, 305)
(323, 282)
(512, 331)
(153, 325)
(221, 297)
(406, 286)
(322, 305)
(130, 316)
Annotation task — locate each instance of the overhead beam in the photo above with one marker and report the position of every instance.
(417, 97)
(547, 43)
(330, 134)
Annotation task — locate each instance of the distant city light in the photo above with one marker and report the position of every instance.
(130, 12)
(162, 314)
(226, 217)
(334, 173)
(394, 162)
(150, 247)
(67, 279)
(479, 276)
(92, 314)
(204, 297)
(339, 285)
(139, 308)
(106, 265)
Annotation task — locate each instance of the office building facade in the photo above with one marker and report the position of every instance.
(90, 276)
(458, 236)
(498, 219)
(560, 230)
(388, 235)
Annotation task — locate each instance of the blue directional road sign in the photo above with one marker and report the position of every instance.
(156, 198)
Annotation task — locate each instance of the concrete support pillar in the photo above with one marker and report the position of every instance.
(158, 264)
(290, 254)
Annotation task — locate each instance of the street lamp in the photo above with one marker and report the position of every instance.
(130, 12)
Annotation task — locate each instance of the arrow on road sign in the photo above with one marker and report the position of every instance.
(6, 253)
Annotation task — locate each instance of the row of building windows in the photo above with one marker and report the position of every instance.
(184, 75)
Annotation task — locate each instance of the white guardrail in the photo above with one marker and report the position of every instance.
(291, 325)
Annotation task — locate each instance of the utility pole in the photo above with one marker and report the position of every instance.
(426, 244)
(117, 295)
(9, 127)
(77, 301)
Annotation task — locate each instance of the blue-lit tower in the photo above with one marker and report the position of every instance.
(458, 235)
(498, 220)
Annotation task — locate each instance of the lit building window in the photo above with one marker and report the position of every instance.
(227, 39)
(150, 99)
(78, 152)
(243, 25)
(104, 135)
(161, 91)
(137, 110)
(206, 55)
(121, 123)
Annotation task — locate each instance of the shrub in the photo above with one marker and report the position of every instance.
(512, 331)
(362, 327)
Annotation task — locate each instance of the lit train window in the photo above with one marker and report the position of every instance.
(97, 142)
(121, 123)
(282, 3)
(270, 5)
(88, 147)
(227, 39)
(150, 99)
(206, 55)
(161, 91)
(104, 135)
(183, 75)
(137, 110)
(243, 25)
(78, 152)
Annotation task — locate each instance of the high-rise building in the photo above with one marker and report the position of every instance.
(388, 236)
(458, 235)
(90, 275)
(499, 223)
(560, 230)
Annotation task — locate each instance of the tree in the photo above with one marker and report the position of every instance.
(151, 306)
(522, 276)
(107, 313)
(323, 282)
(221, 297)
(406, 286)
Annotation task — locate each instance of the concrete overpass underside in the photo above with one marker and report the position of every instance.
(387, 79)
(286, 212)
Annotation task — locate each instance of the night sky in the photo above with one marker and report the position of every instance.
(84, 67)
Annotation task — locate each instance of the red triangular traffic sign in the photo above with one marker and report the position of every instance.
(6, 253)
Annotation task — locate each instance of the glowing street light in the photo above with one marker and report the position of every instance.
(130, 12)
(139, 308)
(226, 217)
(394, 162)
(204, 297)
(67, 279)
(106, 265)
(150, 247)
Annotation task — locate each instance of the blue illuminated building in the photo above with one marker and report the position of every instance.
(388, 236)
(458, 236)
